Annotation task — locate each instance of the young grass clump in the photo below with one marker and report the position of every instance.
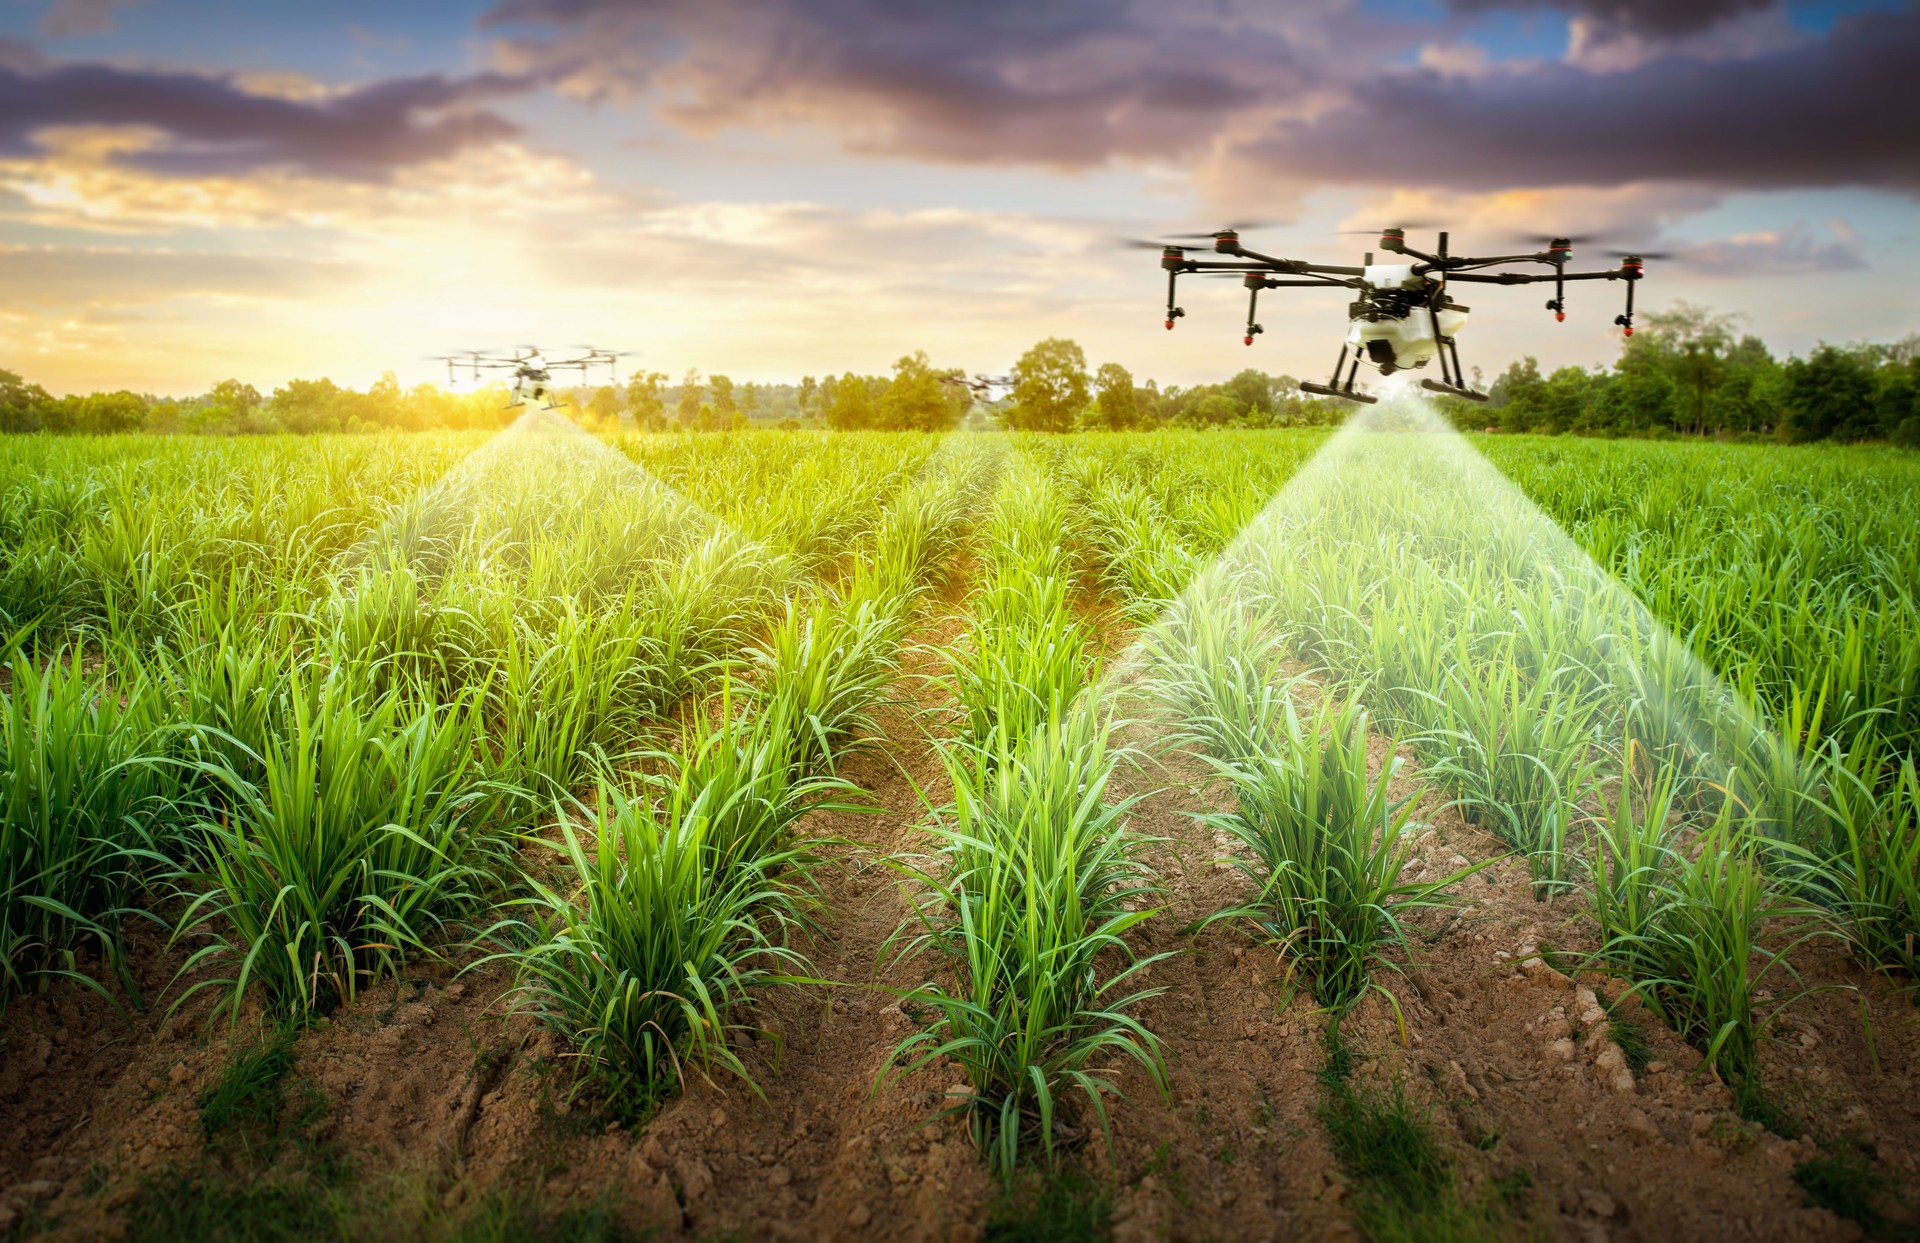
(746, 779)
(1023, 660)
(1518, 756)
(1025, 909)
(665, 929)
(1218, 671)
(1685, 925)
(1325, 847)
(1865, 861)
(81, 796)
(372, 828)
(824, 670)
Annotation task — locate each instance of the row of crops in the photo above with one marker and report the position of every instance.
(319, 708)
(1713, 815)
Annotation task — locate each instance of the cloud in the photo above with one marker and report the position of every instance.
(1624, 217)
(212, 124)
(1069, 83)
(1823, 113)
(1661, 18)
(1794, 251)
(1725, 91)
(65, 19)
(83, 179)
(63, 279)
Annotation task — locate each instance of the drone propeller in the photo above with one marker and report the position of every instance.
(1135, 243)
(1543, 239)
(1403, 226)
(1237, 226)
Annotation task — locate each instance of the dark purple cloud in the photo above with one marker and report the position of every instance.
(1835, 111)
(1279, 90)
(1656, 18)
(213, 125)
(1065, 82)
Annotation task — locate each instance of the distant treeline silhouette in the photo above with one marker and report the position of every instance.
(1688, 372)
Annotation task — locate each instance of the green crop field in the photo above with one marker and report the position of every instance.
(917, 777)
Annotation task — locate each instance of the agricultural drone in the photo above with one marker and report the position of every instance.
(1401, 315)
(531, 368)
(980, 386)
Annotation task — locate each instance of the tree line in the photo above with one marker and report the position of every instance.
(1691, 372)
(1688, 372)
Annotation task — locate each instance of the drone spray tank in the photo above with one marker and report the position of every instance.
(1403, 317)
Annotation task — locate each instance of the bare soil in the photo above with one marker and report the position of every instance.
(426, 1084)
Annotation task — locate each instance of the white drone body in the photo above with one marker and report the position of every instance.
(1393, 342)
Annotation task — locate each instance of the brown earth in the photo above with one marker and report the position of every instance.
(426, 1085)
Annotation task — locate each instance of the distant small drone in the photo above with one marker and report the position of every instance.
(1402, 315)
(531, 368)
(981, 386)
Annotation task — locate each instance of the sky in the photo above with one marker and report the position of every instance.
(192, 190)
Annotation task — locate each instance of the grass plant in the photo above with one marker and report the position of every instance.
(372, 828)
(664, 928)
(83, 803)
(1325, 848)
(1024, 912)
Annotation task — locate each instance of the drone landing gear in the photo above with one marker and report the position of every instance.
(1452, 381)
(1435, 386)
(1335, 388)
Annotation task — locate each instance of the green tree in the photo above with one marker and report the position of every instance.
(1896, 400)
(1828, 394)
(1747, 398)
(22, 404)
(692, 395)
(229, 406)
(853, 401)
(604, 405)
(1692, 344)
(917, 399)
(644, 399)
(1517, 400)
(809, 394)
(1050, 387)
(724, 403)
(1215, 409)
(1251, 390)
(1116, 402)
(306, 406)
(95, 413)
(1640, 397)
